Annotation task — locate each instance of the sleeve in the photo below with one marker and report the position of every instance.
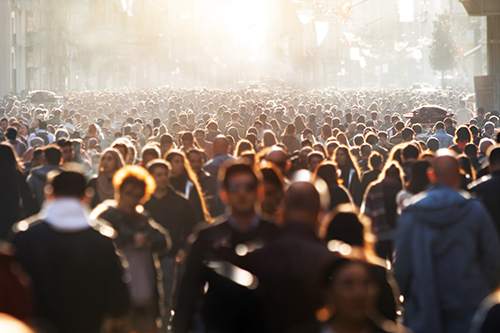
(159, 237)
(489, 246)
(191, 289)
(402, 253)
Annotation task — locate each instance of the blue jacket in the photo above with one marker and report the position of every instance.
(445, 140)
(447, 259)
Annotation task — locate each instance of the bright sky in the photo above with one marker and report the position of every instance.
(247, 19)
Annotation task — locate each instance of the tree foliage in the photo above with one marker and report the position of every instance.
(443, 51)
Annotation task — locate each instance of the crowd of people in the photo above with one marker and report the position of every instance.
(199, 210)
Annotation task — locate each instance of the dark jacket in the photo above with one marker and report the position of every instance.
(209, 187)
(175, 213)
(76, 274)
(38, 179)
(228, 307)
(488, 189)
(287, 270)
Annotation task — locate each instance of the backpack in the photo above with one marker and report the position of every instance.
(43, 136)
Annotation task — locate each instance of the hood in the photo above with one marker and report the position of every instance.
(66, 215)
(440, 206)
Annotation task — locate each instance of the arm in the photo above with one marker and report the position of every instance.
(402, 253)
(489, 246)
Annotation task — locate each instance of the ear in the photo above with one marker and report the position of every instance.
(431, 175)
(223, 195)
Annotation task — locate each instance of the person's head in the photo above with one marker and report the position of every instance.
(433, 144)
(347, 288)
(111, 160)
(274, 187)
(314, 158)
(4, 122)
(241, 187)
(66, 150)
(484, 144)
(375, 161)
(52, 155)
(122, 148)
(343, 157)
(187, 139)
(196, 159)
(177, 160)
(268, 139)
(66, 184)
(489, 127)
(133, 187)
(200, 135)
(8, 160)
(408, 134)
(166, 143)
(463, 135)
(446, 169)
(470, 150)
(220, 145)
(365, 151)
(494, 158)
(42, 125)
(439, 125)
(278, 157)
(410, 153)
(160, 170)
(419, 179)
(11, 133)
(327, 170)
(242, 146)
(302, 204)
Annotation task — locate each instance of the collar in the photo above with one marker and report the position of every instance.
(255, 222)
(66, 215)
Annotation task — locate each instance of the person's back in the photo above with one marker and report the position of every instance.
(76, 274)
(286, 266)
(447, 254)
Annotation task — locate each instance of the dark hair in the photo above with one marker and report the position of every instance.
(407, 133)
(52, 154)
(166, 138)
(463, 134)
(235, 168)
(419, 179)
(346, 227)
(494, 155)
(375, 160)
(68, 184)
(410, 151)
(433, 144)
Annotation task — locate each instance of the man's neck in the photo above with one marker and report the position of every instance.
(243, 221)
(160, 193)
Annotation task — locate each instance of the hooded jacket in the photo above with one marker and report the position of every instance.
(37, 180)
(447, 259)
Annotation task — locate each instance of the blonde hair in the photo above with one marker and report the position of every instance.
(136, 175)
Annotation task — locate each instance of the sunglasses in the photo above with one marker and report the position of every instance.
(234, 187)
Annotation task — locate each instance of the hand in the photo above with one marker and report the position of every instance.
(140, 240)
(181, 255)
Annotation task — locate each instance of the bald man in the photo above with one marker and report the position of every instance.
(286, 266)
(447, 253)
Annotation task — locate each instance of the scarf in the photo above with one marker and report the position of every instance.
(104, 188)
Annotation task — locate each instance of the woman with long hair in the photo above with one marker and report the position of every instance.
(242, 146)
(299, 124)
(268, 139)
(380, 205)
(327, 170)
(184, 180)
(16, 200)
(349, 176)
(111, 161)
(419, 181)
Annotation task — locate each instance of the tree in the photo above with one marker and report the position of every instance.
(443, 51)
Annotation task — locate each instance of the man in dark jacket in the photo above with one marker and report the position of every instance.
(488, 187)
(76, 274)
(286, 267)
(228, 306)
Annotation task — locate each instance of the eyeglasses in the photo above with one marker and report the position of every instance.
(234, 187)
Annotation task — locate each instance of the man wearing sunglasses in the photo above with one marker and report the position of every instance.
(228, 306)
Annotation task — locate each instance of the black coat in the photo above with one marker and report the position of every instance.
(488, 189)
(176, 214)
(77, 277)
(228, 307)
(287, 269)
